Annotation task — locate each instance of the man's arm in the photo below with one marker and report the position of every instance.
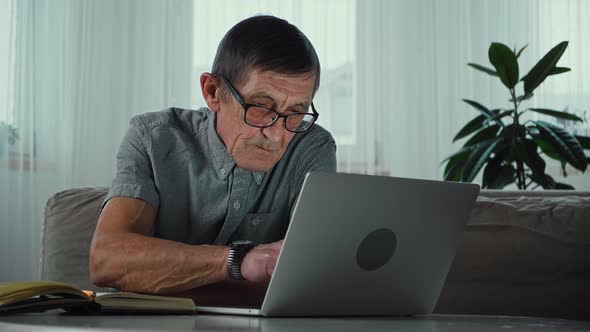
(123, 254)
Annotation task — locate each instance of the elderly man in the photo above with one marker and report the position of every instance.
(204, 197)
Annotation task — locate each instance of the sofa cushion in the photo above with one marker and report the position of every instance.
(68, 226)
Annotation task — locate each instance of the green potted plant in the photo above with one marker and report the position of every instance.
(508, 148)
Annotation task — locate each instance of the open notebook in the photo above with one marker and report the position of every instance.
(38, 296)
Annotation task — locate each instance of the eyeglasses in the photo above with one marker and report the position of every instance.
(261, 117)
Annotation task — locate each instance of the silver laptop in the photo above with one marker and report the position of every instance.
(361, 245)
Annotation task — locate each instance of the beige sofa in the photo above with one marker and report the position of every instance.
(523, 253)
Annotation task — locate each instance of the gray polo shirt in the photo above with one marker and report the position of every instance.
(175, 161)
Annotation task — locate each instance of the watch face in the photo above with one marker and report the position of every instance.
(242, 243)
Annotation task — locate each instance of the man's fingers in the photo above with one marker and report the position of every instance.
(259, 264)
(273, 262)
(270, 266)
(277, 245)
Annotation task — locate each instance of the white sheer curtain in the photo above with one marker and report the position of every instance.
(72, 73)
(80, 70)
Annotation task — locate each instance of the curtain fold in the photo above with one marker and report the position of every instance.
(82, 70)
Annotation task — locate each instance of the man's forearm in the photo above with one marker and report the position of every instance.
(138, 263)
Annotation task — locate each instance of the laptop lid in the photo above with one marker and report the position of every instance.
(368, 245)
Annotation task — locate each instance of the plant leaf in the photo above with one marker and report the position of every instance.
(557, 114)
(499, 116)
(532, 159)
(476, 160)
(547, 148)
(455, 167)
(505, 63)
(563, 186)
(510, 133)
(584, 142)
(464, 149)
(496, 176)
(490, 172)
(482, 135)
(520, 51)
(543, 68)
(483, 69)
(559, 70)
(564, 143)
(545, 180)
(472, 126)
(479, 107)
(533, 131)
(521, 98)
(504, 176)
(502, 152)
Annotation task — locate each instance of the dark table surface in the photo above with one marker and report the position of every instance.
(55, 321)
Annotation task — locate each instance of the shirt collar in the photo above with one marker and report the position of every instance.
(258, 176)
(222, 160)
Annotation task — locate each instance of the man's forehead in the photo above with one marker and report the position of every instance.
(276, 85)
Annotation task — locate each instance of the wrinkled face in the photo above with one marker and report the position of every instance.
(259, 149)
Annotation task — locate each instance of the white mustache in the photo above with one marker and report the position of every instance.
(267, 145)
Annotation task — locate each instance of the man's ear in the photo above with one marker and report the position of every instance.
(210, 90)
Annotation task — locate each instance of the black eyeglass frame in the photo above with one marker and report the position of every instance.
(246, 106)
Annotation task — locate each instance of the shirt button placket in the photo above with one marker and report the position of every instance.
(237, 197)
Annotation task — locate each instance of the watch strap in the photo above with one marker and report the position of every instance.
(234, 263)
(237, 252)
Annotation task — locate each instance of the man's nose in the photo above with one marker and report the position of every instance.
(275, 132)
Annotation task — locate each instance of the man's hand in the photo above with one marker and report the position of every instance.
(260, 262)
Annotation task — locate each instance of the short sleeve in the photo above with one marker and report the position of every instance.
(134, 176)
(318, 155)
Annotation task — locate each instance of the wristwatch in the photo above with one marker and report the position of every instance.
(237, 252)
